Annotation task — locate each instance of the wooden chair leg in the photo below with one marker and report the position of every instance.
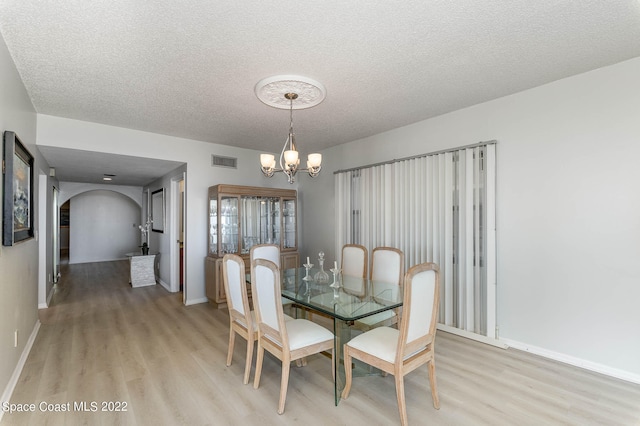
(232, 339)
(348, 372)
(284, 383)
(247, 366)
(401, 402)
(434, 387)
(259, 358)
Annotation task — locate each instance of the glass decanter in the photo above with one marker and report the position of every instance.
(321, 276)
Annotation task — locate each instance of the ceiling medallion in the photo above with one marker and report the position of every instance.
(273, 90)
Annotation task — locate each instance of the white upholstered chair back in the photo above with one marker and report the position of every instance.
(387, 264)
(269, 252)
(354, 260)
(235, 283)
(241, 321)
(265, 286)
(421, 301)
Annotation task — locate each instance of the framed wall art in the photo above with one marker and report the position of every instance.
(157, 210)
(17, 199)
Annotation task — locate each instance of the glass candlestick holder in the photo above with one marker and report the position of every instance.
(307, 268)
(321, 276)
(336, 282)
(336, 294)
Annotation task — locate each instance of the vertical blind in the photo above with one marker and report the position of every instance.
(435, 208)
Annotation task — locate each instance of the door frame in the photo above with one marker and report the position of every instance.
(178, 208)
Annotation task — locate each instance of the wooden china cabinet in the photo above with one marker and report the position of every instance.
(241, 217)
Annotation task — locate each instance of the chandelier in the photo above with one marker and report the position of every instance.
(282, 92)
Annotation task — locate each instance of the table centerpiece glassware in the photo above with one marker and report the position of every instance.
(321, 276)
(307, 268)
(336, 271)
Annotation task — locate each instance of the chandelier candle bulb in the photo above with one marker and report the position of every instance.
(267, 160)
(315, 160)
(291, 157)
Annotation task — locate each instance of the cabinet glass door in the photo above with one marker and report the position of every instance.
(250, 222)
(213, 226)
(289, 223)
(270, 221)
(229, 224)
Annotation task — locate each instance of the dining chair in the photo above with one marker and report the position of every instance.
(269, 252)
(400, 351)
(241, 320)
(286, 340)
(387, 265)
(354, 260)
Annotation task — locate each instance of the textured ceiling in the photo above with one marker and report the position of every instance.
(188, 68)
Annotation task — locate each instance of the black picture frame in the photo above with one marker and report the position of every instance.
(157, 210)
(17, 196)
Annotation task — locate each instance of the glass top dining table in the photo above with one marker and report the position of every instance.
(349, 300)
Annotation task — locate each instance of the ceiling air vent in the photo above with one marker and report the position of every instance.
(220, 161)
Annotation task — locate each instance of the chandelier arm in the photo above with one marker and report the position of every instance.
(284, 148)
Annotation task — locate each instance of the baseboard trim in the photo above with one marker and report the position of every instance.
(165, 285)
(196, 301)
(577, 362)
(51, 293)
(49, 297)
(78, 262)
(473, 336)
(8, 390)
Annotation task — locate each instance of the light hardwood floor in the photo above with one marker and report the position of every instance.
(101, 340)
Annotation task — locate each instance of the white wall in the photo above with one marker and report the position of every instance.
(103, 226)
(568, 222)
(69, 190)
(74, 134)
(18, 264)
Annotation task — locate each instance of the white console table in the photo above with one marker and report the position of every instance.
(142, 269)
